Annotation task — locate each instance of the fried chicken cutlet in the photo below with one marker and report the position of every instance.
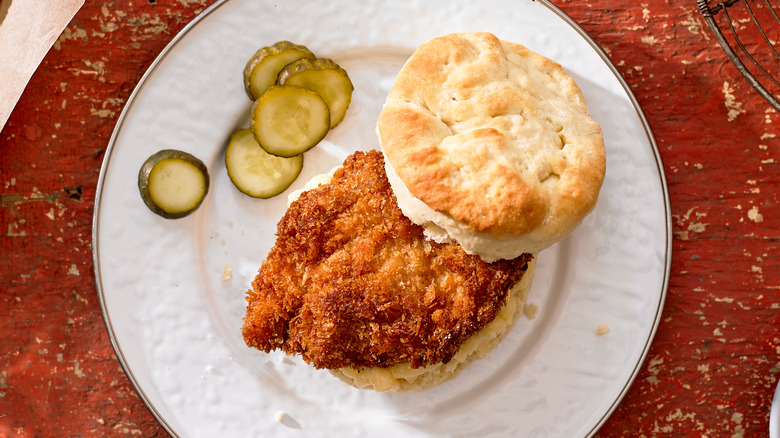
(351, 282)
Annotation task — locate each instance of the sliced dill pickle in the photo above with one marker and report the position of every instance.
(256, 172)
(287, 121)
(326, 78)
(173, 183)
(263, 68)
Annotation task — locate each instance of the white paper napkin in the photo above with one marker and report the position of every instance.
(28, 29)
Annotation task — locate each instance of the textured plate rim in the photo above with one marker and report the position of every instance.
(96, 213)
(186, 29)
(667, 212)
(774, 414)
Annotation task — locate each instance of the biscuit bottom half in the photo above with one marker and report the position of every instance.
(402, 378)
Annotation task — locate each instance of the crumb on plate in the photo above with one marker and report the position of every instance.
(530, 311)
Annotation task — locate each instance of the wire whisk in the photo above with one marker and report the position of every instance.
(750, 40)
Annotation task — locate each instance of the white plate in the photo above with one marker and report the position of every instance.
(175, 323)
(774, 415)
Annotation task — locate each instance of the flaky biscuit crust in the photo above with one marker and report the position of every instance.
(495, 136)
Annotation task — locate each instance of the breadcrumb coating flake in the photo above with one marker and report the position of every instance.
(352, 282)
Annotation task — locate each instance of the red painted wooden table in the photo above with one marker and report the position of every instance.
(715, 361)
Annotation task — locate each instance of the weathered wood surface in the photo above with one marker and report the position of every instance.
(716, 358)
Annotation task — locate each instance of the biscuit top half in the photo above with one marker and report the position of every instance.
(494, 136)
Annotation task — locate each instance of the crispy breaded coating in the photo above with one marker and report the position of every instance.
(352, 282)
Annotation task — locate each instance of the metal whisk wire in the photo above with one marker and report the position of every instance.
(709, 12)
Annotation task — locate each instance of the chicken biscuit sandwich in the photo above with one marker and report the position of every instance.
(405, 265)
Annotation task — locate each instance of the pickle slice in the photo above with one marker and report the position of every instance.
(263, 68)
(173, 183)
(256, 172)
(288, 121)
(326, 78)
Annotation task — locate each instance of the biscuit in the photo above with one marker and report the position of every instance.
(491, 144)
